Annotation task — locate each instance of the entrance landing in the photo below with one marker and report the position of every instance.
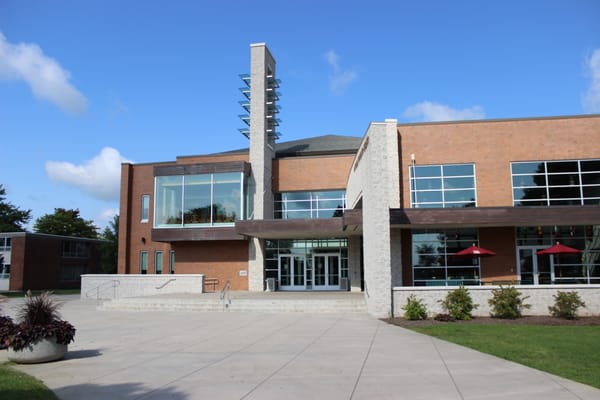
(305, 302)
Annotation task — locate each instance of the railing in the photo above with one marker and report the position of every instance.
(165, 284)
(225, 296)
(113, 282)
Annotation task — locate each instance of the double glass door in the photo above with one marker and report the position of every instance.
(294, 274)
(534, 269)
(327, 271)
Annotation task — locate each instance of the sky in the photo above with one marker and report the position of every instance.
(87, 85)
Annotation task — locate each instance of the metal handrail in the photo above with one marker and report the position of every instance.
(114, 282)
(165, 284)
(225, 295)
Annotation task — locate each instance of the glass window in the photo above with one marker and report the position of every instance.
(167, 201)
(323, 204)
(583, 268)
(145, 207)
(227, 197)
(434, 262)
(143, 262)
(172, 262)
(73, 249)
(197, 199)
(556, 182)
(439, 186)
(206, 200)
(158, 262)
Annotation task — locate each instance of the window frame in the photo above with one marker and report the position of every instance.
(145, 211)
(549, 191)
(181, 208)
(441, 190)
(143, 262)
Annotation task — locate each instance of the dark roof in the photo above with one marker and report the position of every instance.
(319, 145)
(328, 144)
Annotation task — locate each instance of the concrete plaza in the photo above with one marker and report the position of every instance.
(188, 355)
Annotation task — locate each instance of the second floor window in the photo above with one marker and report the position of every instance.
(198, 200)
(442, 186)
(324, 204)
(550, 183)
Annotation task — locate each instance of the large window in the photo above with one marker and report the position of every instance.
(442, 186)
(198, 200)
(434, 262)
(324, 204)
(579, 268)
(549, 183)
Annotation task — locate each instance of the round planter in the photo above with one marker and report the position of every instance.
(42, 351)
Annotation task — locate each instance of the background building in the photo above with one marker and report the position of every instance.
(36, 261)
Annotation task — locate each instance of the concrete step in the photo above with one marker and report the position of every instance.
(306, 304)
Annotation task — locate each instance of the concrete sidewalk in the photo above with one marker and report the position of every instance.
(192, 355)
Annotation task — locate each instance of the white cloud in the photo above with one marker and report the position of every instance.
(340, 79)
(99, 177)
(47, 79)
(591, 99)
(428, 111)
(107, 215)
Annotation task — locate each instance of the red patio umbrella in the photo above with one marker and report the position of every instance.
(475, 251)
(559, 249)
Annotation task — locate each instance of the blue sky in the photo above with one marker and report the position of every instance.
(85, 85)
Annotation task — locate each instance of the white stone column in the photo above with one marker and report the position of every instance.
(261, 151)
(354, 261)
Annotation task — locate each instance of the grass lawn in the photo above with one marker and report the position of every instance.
(572, 352)
(15, 385)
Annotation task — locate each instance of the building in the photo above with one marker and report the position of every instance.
(37, 261)
(370, 214)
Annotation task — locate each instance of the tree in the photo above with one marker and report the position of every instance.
(66, 223)
(110, 247)
(12, 218)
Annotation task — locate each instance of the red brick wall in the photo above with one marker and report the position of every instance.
(222, 260)
(311, 173)
(492, 145)
(502, 266)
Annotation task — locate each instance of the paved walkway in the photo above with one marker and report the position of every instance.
(191, 355)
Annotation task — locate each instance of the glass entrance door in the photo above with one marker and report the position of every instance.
(326, 271)
(292, 272)
(534, 269)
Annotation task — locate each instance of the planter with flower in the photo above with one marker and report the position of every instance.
(39, 335)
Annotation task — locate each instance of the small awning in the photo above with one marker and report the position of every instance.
(344, 226)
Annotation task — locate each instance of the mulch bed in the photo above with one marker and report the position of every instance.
(529, 320)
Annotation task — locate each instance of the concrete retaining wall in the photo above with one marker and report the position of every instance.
(134, 285)
(540, 298)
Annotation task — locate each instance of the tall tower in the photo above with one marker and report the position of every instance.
(261, 104)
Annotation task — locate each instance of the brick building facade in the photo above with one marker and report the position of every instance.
(387, 210)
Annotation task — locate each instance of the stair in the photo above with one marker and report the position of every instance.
(278, 302)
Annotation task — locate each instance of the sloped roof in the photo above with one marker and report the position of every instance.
(328, 144)
(318, 145)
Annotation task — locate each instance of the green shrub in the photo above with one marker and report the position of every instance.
(414, 308)
(507, 302)
(459, 304)
(566, 305)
